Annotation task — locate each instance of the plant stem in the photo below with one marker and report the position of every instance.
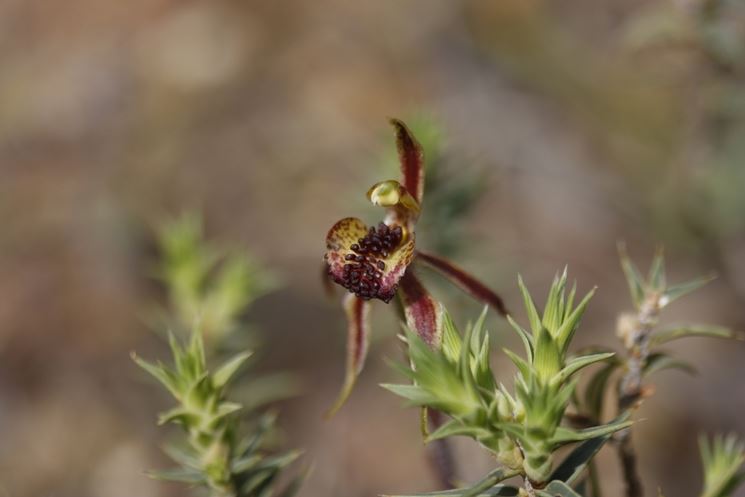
(529, 488)
(629, 464)
(630, 385)
(594, 480)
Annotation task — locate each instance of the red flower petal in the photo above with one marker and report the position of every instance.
(358, 337)
(464, 280)
(412, 160)
(423, 313)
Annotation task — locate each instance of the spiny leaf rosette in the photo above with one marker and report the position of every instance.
(376, 262)
(522, 429)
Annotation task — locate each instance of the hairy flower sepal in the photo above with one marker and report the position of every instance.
(373, 263)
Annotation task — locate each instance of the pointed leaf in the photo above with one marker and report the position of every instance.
(451, 341)
(225, 372)
(525, 337)
(558, 489)
(455, 428)
(180, 415)
(565, 435)
(487, 487)
(358, 337)
(671, 333)
(463, 280)
(656, 278)
(518, 361)
(595, 391)
(578, 363)
(673, 293)
(565, 333)
(547, 360)
(411, 156)
(571, 467)
(633, 278)
(183, 457)
(495, 491)
(660, 361)
(554, 310)
(413, 393)
(533, 317)
(160, 373)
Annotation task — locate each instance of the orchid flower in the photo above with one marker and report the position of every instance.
(375, 262)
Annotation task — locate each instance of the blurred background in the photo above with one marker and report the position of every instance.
(558, 129)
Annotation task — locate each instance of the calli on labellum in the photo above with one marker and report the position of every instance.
(375, 262)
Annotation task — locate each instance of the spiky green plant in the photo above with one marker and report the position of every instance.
(722, 459)
(226, 447)
(522, 429)
(214, 454)
(206, 283)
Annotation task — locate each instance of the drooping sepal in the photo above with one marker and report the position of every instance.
(463, 280)
(358, 338)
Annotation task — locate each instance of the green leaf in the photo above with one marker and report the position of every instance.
(522, 366)
(183, 456)
(571, 467)
(578, 363)
(673, 293)
(547, 360)
(554, 310)
(413, 393)
(495, 491)
(565, 333)
(660, 361)
(558, 489)
(595, 391)
(533, 317)
(486, 487)
(225, 372)
(525, 337)
(633, 278)
(656, 276)
(451, 341)
(565, 435)
(570, 301)
(455, 428)
(722, 459)
(226, 409)
(243, 464)
(280, 461)
(179, 415)
(160, 373)
(669, 334)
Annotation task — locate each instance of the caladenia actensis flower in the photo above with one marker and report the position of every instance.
(375, 263)
(523, 429)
